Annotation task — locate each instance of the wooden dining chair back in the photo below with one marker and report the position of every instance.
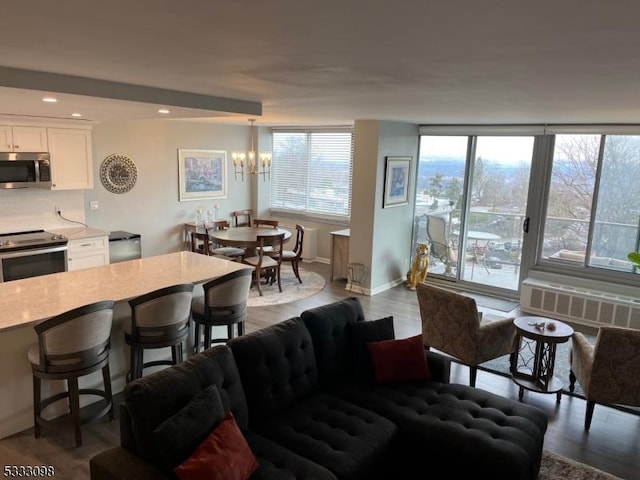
(242, 218)
(224, 303)
(200, 243)
(233, 253)
(159, 319)
(267, 264)
(259, 222)
(295, 256)
(72, 345)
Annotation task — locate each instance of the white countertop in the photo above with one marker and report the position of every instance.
(75, 233)
(30, 300)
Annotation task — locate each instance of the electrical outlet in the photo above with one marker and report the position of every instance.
(94, 205)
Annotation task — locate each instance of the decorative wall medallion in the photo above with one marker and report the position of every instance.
(118, 173)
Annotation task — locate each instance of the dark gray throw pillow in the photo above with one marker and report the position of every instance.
(361, 333)
(180, 435)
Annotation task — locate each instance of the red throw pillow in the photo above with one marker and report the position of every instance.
(223, 455)
(399, 360)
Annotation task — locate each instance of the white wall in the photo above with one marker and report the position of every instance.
(380, 238)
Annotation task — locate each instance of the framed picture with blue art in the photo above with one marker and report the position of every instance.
(202, 174)
(396, 181)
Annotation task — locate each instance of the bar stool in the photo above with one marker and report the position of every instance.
(159, 319)
(72, 345)
(224, 304)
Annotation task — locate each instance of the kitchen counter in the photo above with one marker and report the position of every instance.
(76, 233)
(25, 302)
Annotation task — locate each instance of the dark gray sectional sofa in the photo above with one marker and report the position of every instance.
(303, 394)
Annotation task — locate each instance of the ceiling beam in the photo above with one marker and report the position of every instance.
(59, 83)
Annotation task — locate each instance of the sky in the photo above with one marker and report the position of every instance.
(506, 150)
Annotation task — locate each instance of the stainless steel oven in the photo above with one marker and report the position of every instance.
(29, 254)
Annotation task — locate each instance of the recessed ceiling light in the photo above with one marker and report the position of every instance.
(50, 99)
(76, 114)
(163, 110)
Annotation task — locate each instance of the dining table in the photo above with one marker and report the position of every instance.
(245, 237)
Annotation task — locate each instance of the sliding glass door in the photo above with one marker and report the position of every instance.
(471, 203)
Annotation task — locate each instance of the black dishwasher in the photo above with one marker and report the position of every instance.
(124, 246)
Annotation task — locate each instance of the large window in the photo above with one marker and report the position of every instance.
(593, 208)
(311, 172)
(558, 199)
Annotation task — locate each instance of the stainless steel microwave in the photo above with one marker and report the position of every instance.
(25, 170)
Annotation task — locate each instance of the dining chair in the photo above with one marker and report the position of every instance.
(295, 256)
(262, 223)
(234, 253)
(200, 243)
(259, 222)
(72, 345)
(224, 303)
(267, 265)
(159, 319)
(242, 218)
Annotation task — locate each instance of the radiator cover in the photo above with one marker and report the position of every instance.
(580, 301)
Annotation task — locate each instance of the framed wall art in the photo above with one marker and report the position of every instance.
(396, 181)
(202, 174)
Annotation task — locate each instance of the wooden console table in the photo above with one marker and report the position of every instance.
(340, 253)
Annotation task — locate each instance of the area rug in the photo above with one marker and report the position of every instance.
(557, 467)
(292, 290)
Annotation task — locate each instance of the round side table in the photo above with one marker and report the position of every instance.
(537, 338)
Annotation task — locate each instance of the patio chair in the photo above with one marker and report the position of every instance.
(441, 245)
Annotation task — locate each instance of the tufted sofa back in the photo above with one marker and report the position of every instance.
(277, 366)
(150, 400)
(327, 326)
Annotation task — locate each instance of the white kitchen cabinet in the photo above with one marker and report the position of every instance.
(71, 162)
(87, 252)
(15, 138)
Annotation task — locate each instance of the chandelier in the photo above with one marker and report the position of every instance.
(249, 160)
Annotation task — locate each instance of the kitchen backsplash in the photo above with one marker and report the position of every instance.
(33, 209)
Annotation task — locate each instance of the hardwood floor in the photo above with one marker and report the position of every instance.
(612, 445)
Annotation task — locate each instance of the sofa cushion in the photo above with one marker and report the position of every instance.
(343, 437)
(497, 436)
(277, 366)
(280, 463)
(359, 335)
(152, 399)
(223, 455)
(179, 436)
(399, 360)
(326, 325)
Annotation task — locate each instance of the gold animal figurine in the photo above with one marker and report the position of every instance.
(419, 266)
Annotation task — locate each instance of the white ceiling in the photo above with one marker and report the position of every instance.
(330, 62)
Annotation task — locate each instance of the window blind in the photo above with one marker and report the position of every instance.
(312, 171)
